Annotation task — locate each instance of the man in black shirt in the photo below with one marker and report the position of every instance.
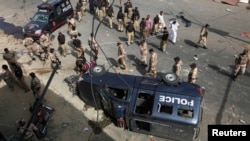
(130, 31)
(135, 17)
(120, 21)
(110, 13)
(164, 39)
(156, 25)
(61, 43)
(19, 75)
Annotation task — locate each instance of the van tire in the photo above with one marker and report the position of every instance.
(171, 79)
(98, 70)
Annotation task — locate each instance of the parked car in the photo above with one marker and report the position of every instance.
(50, 16)
(163, 107)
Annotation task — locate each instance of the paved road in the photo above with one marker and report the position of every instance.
(225, 102)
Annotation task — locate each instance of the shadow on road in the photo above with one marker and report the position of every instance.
(137, 63)
(190, 43)
(219, 115)
(11, 29)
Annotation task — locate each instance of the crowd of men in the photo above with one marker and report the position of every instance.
(127, 18)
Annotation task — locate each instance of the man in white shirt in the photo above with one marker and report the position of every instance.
(173, 25)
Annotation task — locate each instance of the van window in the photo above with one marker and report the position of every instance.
(166, 109)
(144, 104)
(118, 93)
(143, 125)
(187, 113)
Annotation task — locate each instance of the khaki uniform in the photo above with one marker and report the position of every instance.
(84, 6)
(54, 60)
(192, 75)
(145, 33)
(152, 63)
(177, 68)
(29, 135)
(93, 46)
(120, 24)
(241, 64)
(143, 52)
(121, 57)
(203, 37)
(71, 22)
(10, 58)
(8, 78)
(35, 86)
(29, 44)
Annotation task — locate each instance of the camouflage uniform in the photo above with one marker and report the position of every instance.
(152, 63)
(121, 56)
(241, 63)
(192, 75)
(143, 52)
(29, 44)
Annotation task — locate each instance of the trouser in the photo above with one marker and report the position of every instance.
(79, 15)
(130, 12)
(136, 23)
(203, 41)
(110, 22)
(120, 24)
(130, 37)
(144, 59)
(80, 52)
(10, 84)
(156, 28)
(152, 69)
(30, 52)
(122, 62)
(36, 92)
(23, 84)
(240, 69)
(101, 14)
(64, 49)
(125, 18)
(192, 80)
(164, 45)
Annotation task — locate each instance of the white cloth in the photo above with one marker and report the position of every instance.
(162, 21)
(173, 31)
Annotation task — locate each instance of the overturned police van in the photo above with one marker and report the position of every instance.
(163, 107)
(51, 15)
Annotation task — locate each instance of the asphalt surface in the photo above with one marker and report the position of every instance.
(225, 101)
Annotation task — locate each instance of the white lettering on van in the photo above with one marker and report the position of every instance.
(181, 101)
(66, 8)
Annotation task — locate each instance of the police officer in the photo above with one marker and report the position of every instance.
(177, 66)
(29, 45)
(9, 56)
(164, 40)
(35, 85)
(93, 46)
(143, 52)
(128, 9)
(71, 23)
(79, 6)
(19, 75)
(54, 59)
(135, 17)
(192, 75)
(8, 77)
(203, 36)
(61, 44)
(156, 25)
(152, 63)
(84, 6)
(121, 57)
(120, 17)
(241, 63)
(77, 46)
(130, 31)
(110, 13)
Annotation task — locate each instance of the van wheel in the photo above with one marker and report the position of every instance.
(98, 70)
(171, 79)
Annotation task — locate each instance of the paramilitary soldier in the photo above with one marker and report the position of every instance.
(241, 63)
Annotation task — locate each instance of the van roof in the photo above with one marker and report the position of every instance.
(49, 4)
